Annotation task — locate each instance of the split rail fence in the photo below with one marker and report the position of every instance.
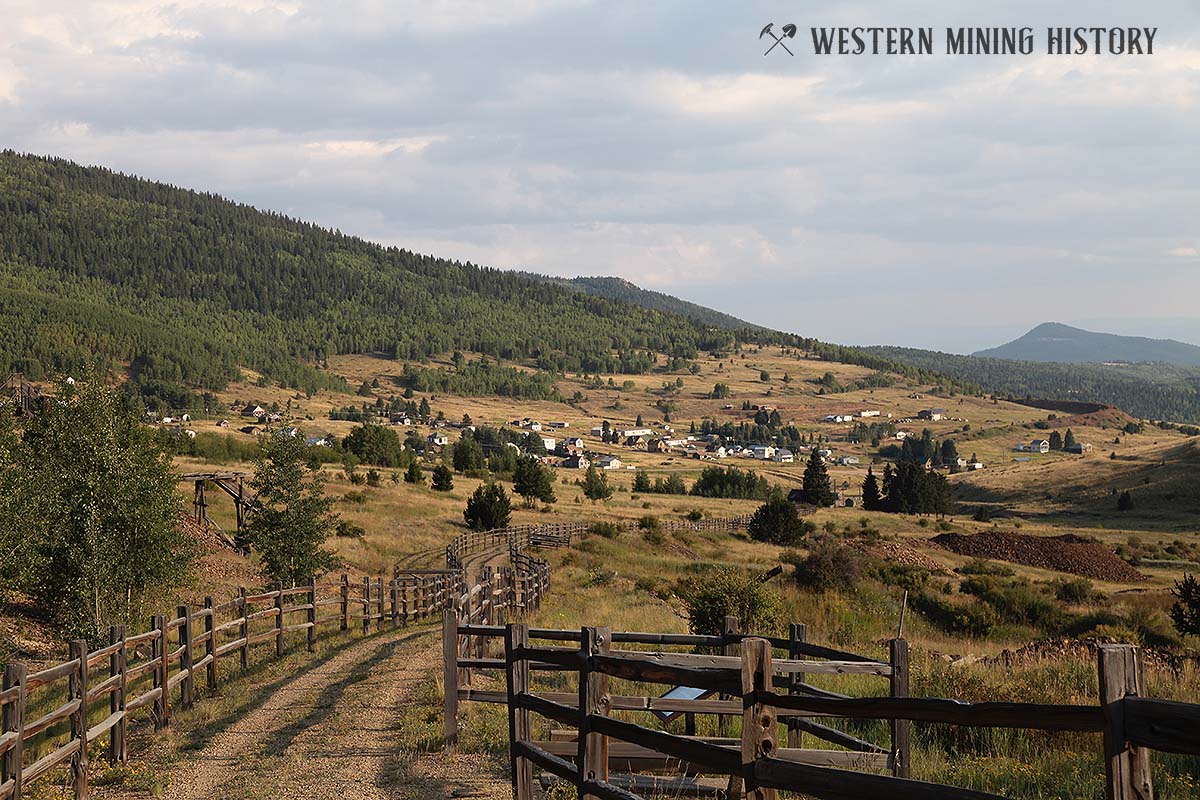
(756, 763)
(95, 693)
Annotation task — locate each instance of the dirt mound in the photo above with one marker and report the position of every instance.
(897, 553)
(1068, 553)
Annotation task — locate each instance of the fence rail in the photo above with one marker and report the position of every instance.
(758, 763)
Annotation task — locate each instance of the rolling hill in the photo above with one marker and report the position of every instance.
(186, 289)
(1053, 341)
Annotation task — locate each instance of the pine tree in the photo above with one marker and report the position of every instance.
(1125, 501)
(1069, 439)
(533, 482)
(777, 521)
(413, 474)
(817, 488)
(595, 485)
(443, 479)
(871, 498)
(1056, 440)
(640, 423)
(1185, 612)
(488, 508)
(641, 481)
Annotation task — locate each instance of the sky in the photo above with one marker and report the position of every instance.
(949, 202)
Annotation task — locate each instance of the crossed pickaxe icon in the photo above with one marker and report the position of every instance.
(789, 32)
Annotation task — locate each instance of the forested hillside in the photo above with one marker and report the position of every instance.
(187, 287)
(1149, 391)
(621, 289)
(94, 262)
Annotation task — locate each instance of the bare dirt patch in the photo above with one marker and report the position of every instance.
(1068, 553)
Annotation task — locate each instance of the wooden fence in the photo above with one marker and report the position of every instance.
(95, 693)
(757, 764)
(472, 655)
(561, 534)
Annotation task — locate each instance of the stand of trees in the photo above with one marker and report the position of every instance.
(909, 488)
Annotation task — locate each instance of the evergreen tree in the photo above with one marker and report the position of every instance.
(488, 508)
(423, 409)
(871, 497)
(1056, 440)
(817, 488)
(595, 484)
(443, 479)
(414, 474)
(777, 521)
(641, 481)
(293, 516)
(949, 452)
(533, 481)
(1125, 501)
(1068, 439)
(639, 423)
(467, 454)
(1185, 612)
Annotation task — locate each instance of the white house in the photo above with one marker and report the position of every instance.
(548, 443)
(762, 451)
(575, 462)
(438, 439)
(1039, 446)
(607, 462)
(869, 413)
(253, 411)
(783, 456)
(931, 414)
(847, 461)
(597, 431)
(625, 434)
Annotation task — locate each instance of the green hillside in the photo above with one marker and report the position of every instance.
(1053, 341)
(1149, 391)
(188, 287)
(621, 289)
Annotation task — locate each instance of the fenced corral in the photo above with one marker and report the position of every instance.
(756, 764)
(698, 700)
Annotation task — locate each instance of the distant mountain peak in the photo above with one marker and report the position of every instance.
(1057, 341)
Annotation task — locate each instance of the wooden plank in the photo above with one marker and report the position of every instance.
(50, 674)
(51, 760)
(519, 730)
(243, 629)
(1127, 766)
(311, 616)
(78, 689)
(118, 751)
(648, 758)
(797, 633)
(187, 685)
(901, 729)
(713, 757)
(1163, 725)
(827, 783)
(104, 726)
(758, 719)
(143, 700)
(450, 669)
(952, 712)
(12, 720)
(653, 671)
(592, 701)
(210, 644)
(52, 717)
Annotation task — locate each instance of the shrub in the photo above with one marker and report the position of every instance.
(974, 618)
(348, 530)
(358, 498)
(608, 530)
(695, 515)
(1185, 613)
(827, 566)
(649, 523)
(1074, 590)
(981, 566)
(777, 521)
(488, 508)
(714, 594)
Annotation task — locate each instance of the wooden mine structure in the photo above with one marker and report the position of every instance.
(26, 397)
(232, 484)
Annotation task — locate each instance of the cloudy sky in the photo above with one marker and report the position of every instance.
(946, 202)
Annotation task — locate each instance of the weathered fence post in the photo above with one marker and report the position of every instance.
(278, 618)
(382, 613)
(450, 677)
(159, 652)
(758, 720)
(185, 658)
(210, 644)
(404, 601)
(243, 629)
(311, 616)
(345, 589)
(729, 647)
(593, 700)
(519, 729)
(118, 751)
(366, 604)
(797, 634)
(78, 689)
(901, 728)
(394, 591)
(1127, 767)
(14, 723)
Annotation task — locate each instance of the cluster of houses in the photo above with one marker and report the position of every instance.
(1043, 446)
(851, 417)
